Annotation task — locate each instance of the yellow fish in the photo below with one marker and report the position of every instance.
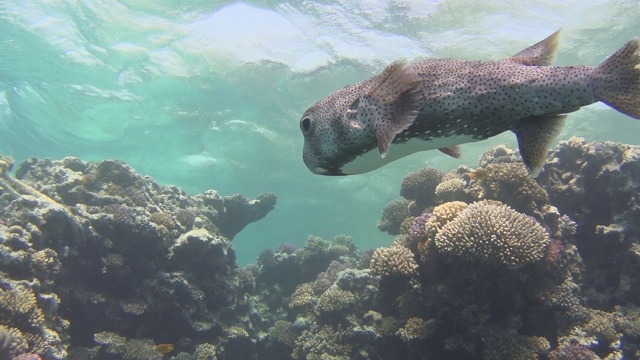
(164, 348)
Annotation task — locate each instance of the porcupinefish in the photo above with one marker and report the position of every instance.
(441, 103)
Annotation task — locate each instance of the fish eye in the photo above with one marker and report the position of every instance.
(305, 124)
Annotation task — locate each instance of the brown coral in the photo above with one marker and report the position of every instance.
(334, 299)
(510, 183)
(494, 234)
(303, 296)
(416, 328)
(393, 215)
(442, 215)
(394, 260)
(504, 345)
(20, 306)
(451, 190)
(421, 185)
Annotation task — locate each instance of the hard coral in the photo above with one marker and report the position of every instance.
(420, 186)
(451, 190)
(510, 183)
(394, 260)
(442, 215)
(393, 215)
(493, 234)
(334, 299)
(573, 352)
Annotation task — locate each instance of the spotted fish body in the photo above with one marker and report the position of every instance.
(438, 104)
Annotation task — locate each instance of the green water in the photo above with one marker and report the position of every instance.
(208, 95)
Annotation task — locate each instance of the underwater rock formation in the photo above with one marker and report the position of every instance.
(96, 251)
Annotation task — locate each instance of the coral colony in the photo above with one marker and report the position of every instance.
(98, 262)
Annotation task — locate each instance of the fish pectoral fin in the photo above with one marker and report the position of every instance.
(540, 54)
(453, 151)
(391, 103)
(535, 136)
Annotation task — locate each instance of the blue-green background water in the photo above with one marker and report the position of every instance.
(208, 94)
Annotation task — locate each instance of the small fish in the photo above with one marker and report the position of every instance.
(441, 103)
(164, 348)
(477, 174)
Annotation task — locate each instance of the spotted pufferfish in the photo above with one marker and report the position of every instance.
(441, 103)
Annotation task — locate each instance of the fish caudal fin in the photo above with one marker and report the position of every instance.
(540, 54)
(616, 82)
(392, 101)
(535, 136)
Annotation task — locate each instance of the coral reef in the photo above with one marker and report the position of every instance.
(94, 251)
(488, 263)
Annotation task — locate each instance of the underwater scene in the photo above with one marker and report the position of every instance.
(164, 188)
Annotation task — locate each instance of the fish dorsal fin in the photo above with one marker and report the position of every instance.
(540, 54)
(391, 103)
(535, 137)
(453, 151)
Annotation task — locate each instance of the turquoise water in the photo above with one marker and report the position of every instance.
(208, 95)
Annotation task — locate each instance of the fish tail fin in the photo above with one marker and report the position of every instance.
(617, 80)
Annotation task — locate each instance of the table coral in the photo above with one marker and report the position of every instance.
(493, 234)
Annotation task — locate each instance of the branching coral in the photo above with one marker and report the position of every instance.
(334, 299)
(20, 307)
(494, 234)
(573, 352)
(127, 349)
(393, 215)
(416, 328)
(443, 214)
(499, 345)
(451, 190)
(394, 260)
(282, 331)
(302, 297)
(510, 183)
(421, 185)
(319, 341)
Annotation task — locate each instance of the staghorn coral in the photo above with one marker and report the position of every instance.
(393, 215)
(394, 260)
(420, 186)
(493, 234)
